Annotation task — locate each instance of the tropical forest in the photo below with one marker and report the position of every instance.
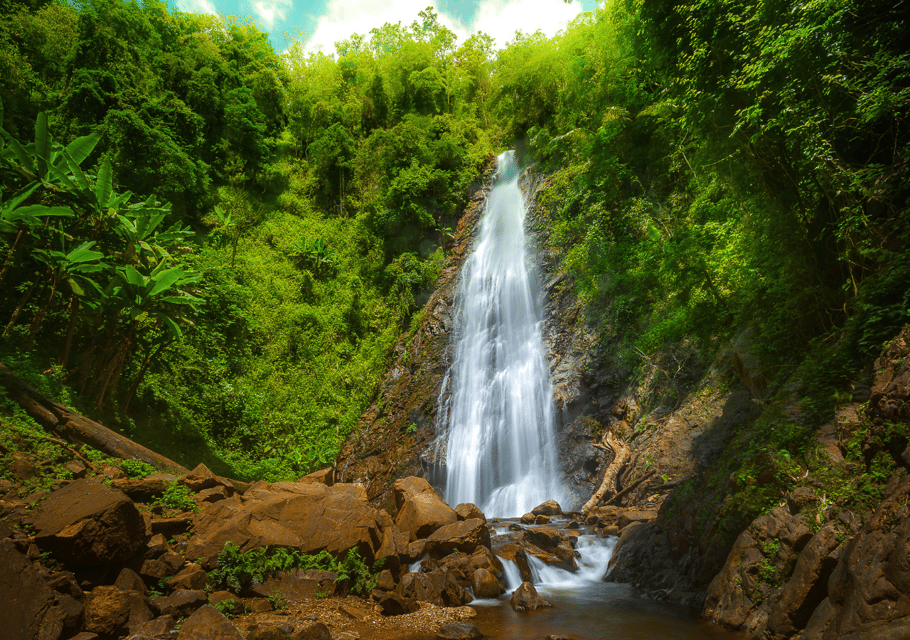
(330, 345)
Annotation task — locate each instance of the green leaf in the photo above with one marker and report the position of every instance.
(80, 148)
(134, 277)
(84, 253)
(75, 288)
(166, 279)
(19, 151)
(169, 322)
(21, 196)
(41, 210)
(78, 174)
(104, 184)
(42, 144)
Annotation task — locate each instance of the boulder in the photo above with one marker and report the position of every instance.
(464, 535)
(394, 604)
(200, 478)
(807, 586)
(385, 581)
(458, 631)
(323, 476)
(890, 395)
(438, 587)
(181, 602)
(423, 513)
(484, 584)
(308, 517)
(144, 489)
(632, 516)
(111, 611)
(546, 538)
(225, 601)
(191, 578)
(27, 610)
(469, 510)
(548, 508)
(87, 524)
(129, 580)
(514, 553)
(208, 624)
(160, 627)
(213, 495)
(526, 598)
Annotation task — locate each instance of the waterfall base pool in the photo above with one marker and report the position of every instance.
(584, 606)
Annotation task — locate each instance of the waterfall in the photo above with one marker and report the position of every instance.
(501, 453)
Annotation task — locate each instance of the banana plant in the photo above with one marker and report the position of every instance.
(136, 302)
(18, 219)
(138, 226)
(71, 267)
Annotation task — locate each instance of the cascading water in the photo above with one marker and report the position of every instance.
(501, 452)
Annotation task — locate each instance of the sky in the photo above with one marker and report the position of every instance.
(321, 23)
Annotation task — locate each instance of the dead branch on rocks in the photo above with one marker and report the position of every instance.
(621, 455)
(632, 486)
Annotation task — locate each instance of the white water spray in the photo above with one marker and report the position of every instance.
(501, 453)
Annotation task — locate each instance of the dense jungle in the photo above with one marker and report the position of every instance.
(220, 250)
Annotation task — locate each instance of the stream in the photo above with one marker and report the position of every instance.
(501, 452)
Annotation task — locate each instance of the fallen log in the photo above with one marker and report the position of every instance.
(77, 428)
(621, 455)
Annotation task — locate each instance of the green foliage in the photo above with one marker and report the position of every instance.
(238, 570)
(177, 496)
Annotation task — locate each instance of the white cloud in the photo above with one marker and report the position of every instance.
(343, 18)
(498, 18)
(197, 6)
(270, 11)
(501, 18)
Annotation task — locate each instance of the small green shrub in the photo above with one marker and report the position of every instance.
(177, 496)
(238, 570)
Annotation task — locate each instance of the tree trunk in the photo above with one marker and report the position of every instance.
(621, 455)
(11, 254)
(77, 428)
(19, 307)
(74, 313)
(141, 375)
(39, 317)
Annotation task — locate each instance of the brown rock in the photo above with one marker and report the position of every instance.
(181, 602)
(807, 587)
(308, 517)
(437, 587)
(260, 605)
(484, 584)
(406, 488)
(88, 524)
(394, 604)
(110, 611)
(208, 623)
(528, 518)
(468, 511)
(526, 598)
(385, 581)
(144, 489)
(76, 468)
(515, 553)
(231, 603)
(323, 476)
(458, 631)
(635, 516)
(212, 495)
(352, 612)
(424, 513)
(129, 580)
(548, 508)
(464, 535)
(546, 538)
(22, 467)
(156, 546)
(269, 632)
(159, 627)
(170, 527)
(27, 600)
(192, 577)
(199, 478)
